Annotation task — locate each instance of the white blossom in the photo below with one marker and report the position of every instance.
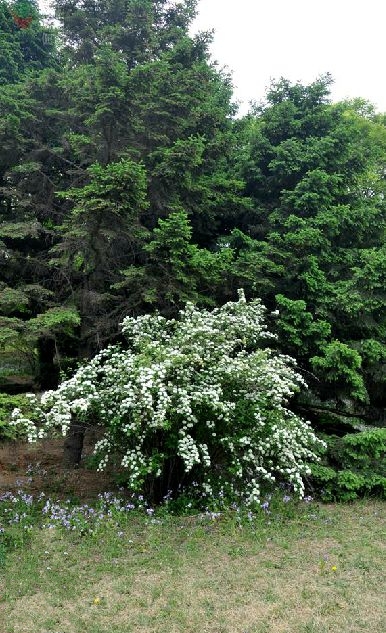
(202, 382)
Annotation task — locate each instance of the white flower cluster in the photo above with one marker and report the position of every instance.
(202, 389)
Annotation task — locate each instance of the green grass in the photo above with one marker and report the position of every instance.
(307, 570)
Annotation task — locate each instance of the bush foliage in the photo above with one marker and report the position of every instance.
(8, 403)
(354, 465)
(200, 400)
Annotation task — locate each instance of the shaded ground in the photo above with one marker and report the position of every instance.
(20, 460)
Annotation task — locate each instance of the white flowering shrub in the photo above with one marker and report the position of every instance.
(199, 399)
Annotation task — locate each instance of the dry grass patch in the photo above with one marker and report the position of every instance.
(323, 574)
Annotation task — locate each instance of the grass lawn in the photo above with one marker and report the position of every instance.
(313, 569)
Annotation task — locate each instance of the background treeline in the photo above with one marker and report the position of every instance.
(128, 185)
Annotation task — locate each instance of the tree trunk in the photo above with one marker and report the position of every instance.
(48, 371)
(73, 444)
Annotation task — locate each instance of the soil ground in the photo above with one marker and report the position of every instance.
(38, 467)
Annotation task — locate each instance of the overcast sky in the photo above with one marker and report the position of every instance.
(299, 40)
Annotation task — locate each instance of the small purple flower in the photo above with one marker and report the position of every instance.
(28, 499)
(286, 498)
(212, 515)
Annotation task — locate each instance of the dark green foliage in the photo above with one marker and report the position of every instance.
(131, 131)
(299, 328)
(339, 366)
(315, 173)
(175, 270)
(354, 465)
(24, 48)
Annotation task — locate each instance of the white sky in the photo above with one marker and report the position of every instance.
(299, 40)
(260, 40)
